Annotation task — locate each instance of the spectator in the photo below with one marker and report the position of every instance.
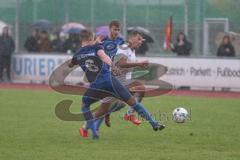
(182, 47)
(7, 47)
(72, 44)
(57, 43)
(32, 42)
(226, 48)
(45, 45)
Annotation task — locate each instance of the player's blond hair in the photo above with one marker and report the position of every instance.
(86, 35)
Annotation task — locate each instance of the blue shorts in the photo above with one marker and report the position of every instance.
(110, 86)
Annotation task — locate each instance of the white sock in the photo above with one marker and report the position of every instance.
(130, 111)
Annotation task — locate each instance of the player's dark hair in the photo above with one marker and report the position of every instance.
(228, 38)
(85, 35)
(114, 23)
(184, 37)
(133, 33)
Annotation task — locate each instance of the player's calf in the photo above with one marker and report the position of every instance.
(142, 111)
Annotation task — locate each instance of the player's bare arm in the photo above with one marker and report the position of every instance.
(70, 64)
(104, 57)
(123, 63)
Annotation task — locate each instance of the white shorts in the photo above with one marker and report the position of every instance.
(108, 100)
(125, 81)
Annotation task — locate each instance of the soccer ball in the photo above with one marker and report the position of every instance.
(180, 115)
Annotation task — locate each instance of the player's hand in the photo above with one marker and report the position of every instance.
(70, 65)
(99, 39)
(227, 50)
(181, 42)
(144, 64)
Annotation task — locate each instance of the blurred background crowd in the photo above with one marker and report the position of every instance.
(196, 28)
(44, 20)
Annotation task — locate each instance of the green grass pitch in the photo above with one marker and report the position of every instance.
(29, 130)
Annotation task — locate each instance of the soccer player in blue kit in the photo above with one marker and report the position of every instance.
(111, 44)
(96, 65)
(113, 40)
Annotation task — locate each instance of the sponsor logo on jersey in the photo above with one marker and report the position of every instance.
(110, 47)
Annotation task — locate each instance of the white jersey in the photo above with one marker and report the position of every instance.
(125, 77)
(125, 51)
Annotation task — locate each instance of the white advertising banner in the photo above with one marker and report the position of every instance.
(194, 72)
(37, 68)
(199, 72)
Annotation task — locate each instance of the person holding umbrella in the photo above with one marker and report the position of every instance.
(45, 45)
(72, 44)
(32, 42)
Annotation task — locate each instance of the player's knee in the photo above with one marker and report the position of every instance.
(117, 106)
(88, 100)
(138, 96)
(105, 106)
(132, 101)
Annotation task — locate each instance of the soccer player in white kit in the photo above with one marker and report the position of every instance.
(125, 59)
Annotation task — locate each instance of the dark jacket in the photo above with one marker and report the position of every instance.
(7, 45)
(183, 50)
(32, 44)
(222, 50)
(71, 44)
(57, 45)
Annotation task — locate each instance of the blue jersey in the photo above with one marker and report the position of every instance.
(102, 82)
(111, 46)
(87, 58)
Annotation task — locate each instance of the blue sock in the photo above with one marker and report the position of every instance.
(142, 111)
(87, 113)
(89, 118)
(98, 122)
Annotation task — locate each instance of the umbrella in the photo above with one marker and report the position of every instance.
(72, 27)
(42, 24)
(145, 33)
(74, 30)
(2, 25)
(102, 30)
